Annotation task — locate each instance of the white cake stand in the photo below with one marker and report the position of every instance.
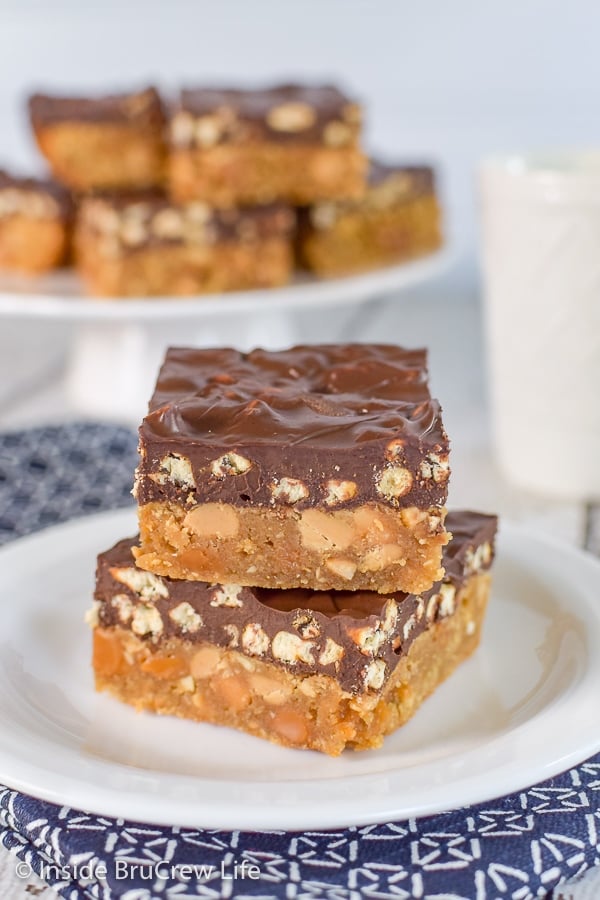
(120, 342)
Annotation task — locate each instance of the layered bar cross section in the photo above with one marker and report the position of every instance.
(397, 218)
(145, 245)
(35, 220)
(323, 467)
(110, 142)
(291, 142)
(305, 669)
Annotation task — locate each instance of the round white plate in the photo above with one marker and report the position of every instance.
(522, 709)
(59, 295)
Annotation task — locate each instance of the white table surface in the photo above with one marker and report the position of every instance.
(444, 315)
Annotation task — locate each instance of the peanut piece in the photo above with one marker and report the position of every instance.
(272, 691)
(380, 557)
(395, 450)
(167, 224)
(339, 491)
(91, 617)
(289, 490)
(230, 464)
(186, 617)
(177, 469)
(337, 134)
(411, 516)
(291, 117)
(182, 129)
(332, 653)
(144, 584)
(344, 568)
(373, 526)
(447, 600)
(375, 675)
(255, 640)
(147, 620)
(290, 648)
(227, 595)
(394, 482)
(208, 131)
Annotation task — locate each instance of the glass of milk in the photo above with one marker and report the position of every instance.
(541, 264)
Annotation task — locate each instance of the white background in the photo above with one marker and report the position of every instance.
(447, 81)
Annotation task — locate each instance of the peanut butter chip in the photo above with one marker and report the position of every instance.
(289, 490)
(212, 519)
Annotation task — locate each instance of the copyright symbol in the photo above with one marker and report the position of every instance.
(23, 870)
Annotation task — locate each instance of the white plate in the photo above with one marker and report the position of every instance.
(59, 295)
(522, 709)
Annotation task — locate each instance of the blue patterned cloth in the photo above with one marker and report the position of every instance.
(518, 847)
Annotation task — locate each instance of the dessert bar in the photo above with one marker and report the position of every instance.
(292, 143)
(115, 141)
(397, 218)
(323, 467)
(304, 669)
(147, 246)
(34, 224)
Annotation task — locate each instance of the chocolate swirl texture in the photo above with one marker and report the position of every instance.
(347, 412)
(142, 108)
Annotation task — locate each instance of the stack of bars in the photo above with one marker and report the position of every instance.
(295, 575)
(223, 190)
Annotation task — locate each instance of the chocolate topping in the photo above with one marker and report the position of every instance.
(349, 618)
(418, 179)
(284, 113)
(157, 220)
(142, 109)
(313, 413)
(327, 101)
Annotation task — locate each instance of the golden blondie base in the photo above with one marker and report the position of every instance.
(363, 239)
(230, 175)
(224, 687)
(32, 245)
(86, 155)
(184, 270)
(370, 547)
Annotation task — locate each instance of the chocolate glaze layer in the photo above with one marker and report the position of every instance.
(249, 110)
(38, 186)
(418, 179)
(312, 413)
(315, 616)
(195, 223)
(142, 109)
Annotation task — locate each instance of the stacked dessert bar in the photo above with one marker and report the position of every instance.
(35, 216)
(221, 190)
(396, 217)
(219, 176)
(295, 575)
